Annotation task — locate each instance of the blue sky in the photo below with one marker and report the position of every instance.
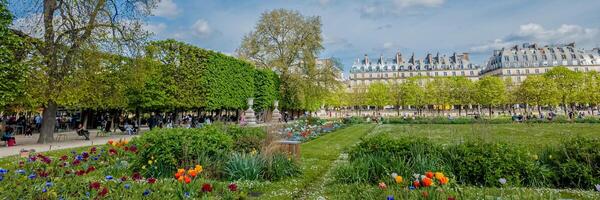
(352, 28)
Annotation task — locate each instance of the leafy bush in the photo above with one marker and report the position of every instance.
(576, 161)
(281, 166)
(574, 165)
(242, 166)
(246, 139)
(354, 120)
(169, 149)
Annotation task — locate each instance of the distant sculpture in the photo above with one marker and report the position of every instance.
(276, 116)
(249, 114)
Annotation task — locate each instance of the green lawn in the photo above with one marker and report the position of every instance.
(318, 157)
(533, 135)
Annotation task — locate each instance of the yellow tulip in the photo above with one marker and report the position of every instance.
(398, 179)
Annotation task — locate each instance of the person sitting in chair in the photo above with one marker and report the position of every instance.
(82, 132)
(8, 134)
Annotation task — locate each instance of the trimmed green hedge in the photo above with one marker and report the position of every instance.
(574, 164)
(464, 120)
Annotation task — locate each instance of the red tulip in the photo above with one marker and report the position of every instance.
(95, 185)
(232, 187)
(207, 187)
(151, 180)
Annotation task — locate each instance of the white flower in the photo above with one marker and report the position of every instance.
(502, 181)
(423, 177)
(416, 176)
(394, 175)
(598, 187)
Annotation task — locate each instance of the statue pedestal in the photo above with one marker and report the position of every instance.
(276, 116)
(249, 117)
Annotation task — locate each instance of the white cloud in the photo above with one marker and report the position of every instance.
(388, 45)
(201, 28)
(155, 28)
(536, 33)
(424, 3)
(166, 8)
(382, 8)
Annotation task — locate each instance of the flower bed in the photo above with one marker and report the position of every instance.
(575, 164)
(140, 169)
(307, 129)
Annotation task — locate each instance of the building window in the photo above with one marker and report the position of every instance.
(506, 58)
(436, 73)
(386, 75)
(508, 72)
(472, 73)
(370, 75)
(537, 71)
(402, 75)
(453, 73)
(462, 73)
(518, 71)
(395, 75)
(445, 73)
(527, 71)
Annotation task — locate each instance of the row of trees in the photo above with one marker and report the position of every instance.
(93, 55)
(559, 86)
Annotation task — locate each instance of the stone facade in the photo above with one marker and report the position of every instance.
(525, 60)
(397, 69)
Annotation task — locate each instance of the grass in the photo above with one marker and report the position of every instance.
(532, 135)
(319, 156)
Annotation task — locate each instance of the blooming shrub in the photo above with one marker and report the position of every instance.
(162, 151)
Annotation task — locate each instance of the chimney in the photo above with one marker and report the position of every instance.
(398, 58)
(466, 56)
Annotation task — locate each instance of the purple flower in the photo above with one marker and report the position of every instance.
(31, 176)
(598, 187)
(390, 197)
(20, 171)
(187, 194)
(79, 157)
(411, 187)
(146, 192)
(49, 184)
(44, 190)
(127, 186)
(3, 171)
(502, 181)
(1, 178)
(109, 177)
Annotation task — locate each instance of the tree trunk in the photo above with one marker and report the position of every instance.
(48, 123)
(539, 110)
(490, 110)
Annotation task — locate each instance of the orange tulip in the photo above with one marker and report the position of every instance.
(398, 179)
(192, 173)
(198, 168)
(187, 179)
(429, 174)
(180, 179)
(439, 175)
(427, 182)
(443, 180)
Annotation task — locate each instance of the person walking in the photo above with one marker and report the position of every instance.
(38, 122)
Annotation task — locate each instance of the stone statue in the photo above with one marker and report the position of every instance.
(276, 116)
(249, 114)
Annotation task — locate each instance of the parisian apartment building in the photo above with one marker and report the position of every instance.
(516, 63)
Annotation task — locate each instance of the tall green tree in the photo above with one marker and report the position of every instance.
(591, 89)
(12, 72)
(569, 85)
(462, 92)
(288, 43)
(266, 85)
(413, 94)
(68, 27)
(379, 95)
(438, 93)
(538, 91)
(491, 92)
